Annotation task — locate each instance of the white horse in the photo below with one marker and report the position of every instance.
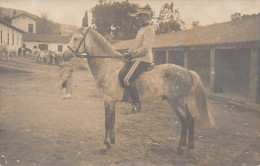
(7, 51)
(36, 52)
(44, 57)
(12, 51)
(4, 51)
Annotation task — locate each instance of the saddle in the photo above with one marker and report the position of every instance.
(126, 96)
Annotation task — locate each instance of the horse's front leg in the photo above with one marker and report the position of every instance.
(109, 123)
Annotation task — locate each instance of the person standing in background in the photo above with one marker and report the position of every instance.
(66, 74)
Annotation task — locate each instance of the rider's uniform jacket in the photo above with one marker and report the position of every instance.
(143, 44)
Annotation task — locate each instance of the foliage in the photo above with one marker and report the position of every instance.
(4, 17)
(237, 16)
(195, 24)
(115, 19)
(45, 25)
(169, 19)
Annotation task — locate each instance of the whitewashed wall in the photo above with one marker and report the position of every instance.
(14, 42)
(51, 46)
(22, 22)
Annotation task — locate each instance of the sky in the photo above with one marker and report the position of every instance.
(72, 11)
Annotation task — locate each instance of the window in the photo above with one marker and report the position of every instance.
(30, 28)
(12, 38)
(1, 36)
(60, 48)
(43, 47)
(34, 47)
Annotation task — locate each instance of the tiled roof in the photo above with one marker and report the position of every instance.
(46, 38)
(245, 30)
(11, 26)
(24, 15)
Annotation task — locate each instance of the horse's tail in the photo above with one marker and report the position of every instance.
(201, 99)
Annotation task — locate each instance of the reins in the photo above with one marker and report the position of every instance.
(90, 56)
(75, 52)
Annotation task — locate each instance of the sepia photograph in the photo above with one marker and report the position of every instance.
(129, 82)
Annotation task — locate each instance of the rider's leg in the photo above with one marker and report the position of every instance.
(137, 68)
(136, 104)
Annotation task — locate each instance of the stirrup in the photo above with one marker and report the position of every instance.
(136, 107)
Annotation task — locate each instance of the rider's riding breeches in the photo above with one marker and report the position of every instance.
(131, 72)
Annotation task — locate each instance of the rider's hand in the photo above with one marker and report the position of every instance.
(130, 50)
(127, 55)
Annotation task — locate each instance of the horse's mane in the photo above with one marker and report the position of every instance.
(103, 43)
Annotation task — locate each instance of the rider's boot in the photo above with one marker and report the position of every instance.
(136, 105)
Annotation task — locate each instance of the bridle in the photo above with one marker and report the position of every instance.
(75, 52)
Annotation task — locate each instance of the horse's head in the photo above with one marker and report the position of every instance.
(76, 45)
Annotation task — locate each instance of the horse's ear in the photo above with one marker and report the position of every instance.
(84, 30)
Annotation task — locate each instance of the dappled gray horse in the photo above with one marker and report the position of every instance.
(169, 82)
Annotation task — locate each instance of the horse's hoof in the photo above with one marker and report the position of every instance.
(191, 146)
(108, 146)
(183, 143)
(179, 151)
(113, 141)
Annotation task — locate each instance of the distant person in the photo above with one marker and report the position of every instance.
(66, 74)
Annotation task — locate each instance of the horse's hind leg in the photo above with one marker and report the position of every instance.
(183, 133)
(181, 113)
(190, 121)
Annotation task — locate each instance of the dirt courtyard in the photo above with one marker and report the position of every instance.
(38, 127)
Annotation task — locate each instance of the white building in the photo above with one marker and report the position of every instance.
(49, 42)
(10, 35)
(25, 22)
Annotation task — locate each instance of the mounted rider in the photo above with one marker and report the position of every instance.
(139, 57)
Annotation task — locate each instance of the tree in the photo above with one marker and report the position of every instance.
(169, 19)
(115, 19)
(195, 24)
(45, 25)
(236, 16)
(85, 20)
(5, 17)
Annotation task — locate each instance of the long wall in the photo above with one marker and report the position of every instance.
(50, 46)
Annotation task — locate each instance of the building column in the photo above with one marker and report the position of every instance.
(153, 54)
(186, 53)
(254, 76)
(167, 56)
(215, 72)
